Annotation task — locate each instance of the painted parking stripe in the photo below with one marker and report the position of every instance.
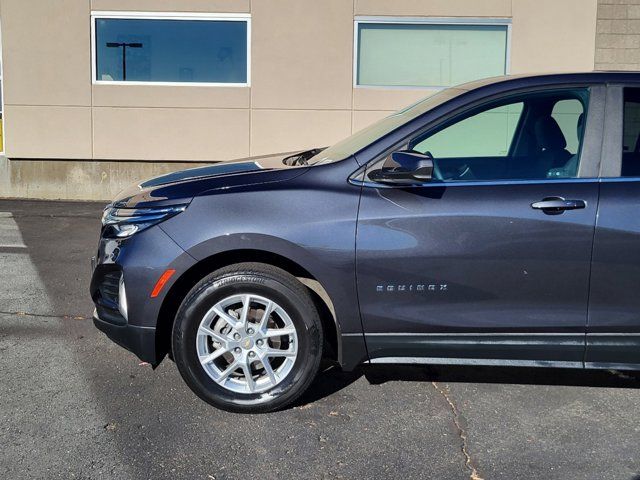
(10, 236)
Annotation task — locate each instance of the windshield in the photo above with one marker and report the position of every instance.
(364, 137)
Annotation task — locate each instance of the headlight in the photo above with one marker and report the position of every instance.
(124, 222)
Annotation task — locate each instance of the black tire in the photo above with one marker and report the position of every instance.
(259, 279)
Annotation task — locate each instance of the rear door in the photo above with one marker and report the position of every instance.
(613, 330)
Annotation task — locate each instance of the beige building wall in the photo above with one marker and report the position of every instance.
(618, 35)
(301, 92)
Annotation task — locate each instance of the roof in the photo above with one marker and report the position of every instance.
(553, 77)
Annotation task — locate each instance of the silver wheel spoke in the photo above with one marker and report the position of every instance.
(269, 371)
(228, 371)
(274, 352)
(213, 355)
(279, 332)
(262, 327)
(246, 369)
(246, 305)
(233, 322)
(216, 336)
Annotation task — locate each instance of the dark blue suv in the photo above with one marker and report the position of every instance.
(494, 223)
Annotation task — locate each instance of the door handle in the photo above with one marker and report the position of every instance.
(557, 205)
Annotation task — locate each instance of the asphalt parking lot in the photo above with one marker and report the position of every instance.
(75, 405)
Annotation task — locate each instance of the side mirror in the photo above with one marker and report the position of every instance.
(412, 167)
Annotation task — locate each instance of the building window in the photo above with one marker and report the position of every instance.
(171, 48)
(432, 53)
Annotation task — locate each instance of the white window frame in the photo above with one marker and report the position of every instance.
(506, 22)
(227, 17)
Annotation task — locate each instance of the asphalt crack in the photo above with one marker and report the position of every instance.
(468, 461)
(42, 315)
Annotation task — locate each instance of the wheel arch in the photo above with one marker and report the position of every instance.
(193, 275)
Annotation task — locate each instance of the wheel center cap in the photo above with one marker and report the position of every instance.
(247, 343)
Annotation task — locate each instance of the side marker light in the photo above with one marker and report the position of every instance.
(164, 278)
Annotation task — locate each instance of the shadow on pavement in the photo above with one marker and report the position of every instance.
(332, 379)
(378, 374)
(328, 382)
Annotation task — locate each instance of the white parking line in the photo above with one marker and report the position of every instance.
(10, 236)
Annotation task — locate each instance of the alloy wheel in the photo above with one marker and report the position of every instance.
(247, 343)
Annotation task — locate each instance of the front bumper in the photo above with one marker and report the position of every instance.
(124, 274)
(139, 340)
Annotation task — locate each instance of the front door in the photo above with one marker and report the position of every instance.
(491, 259)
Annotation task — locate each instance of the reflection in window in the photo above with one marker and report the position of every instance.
(169, 50)
(429, 55)
(487, 134)
(569, 116)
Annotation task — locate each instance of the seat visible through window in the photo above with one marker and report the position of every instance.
(551, 143)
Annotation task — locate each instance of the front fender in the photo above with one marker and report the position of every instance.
(309, 220)
(249, 247)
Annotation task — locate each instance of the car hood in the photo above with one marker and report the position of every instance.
(182, 186)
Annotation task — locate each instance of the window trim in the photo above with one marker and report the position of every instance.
(613, 142)
(127, 15)
(468, 21)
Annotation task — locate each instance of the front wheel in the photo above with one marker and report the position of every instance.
(248, 338)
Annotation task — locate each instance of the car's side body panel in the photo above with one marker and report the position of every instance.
(475, 259)
(613, 330)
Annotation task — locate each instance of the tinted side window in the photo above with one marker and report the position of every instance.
(528, 137)
(486, 134)
(631, 133)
